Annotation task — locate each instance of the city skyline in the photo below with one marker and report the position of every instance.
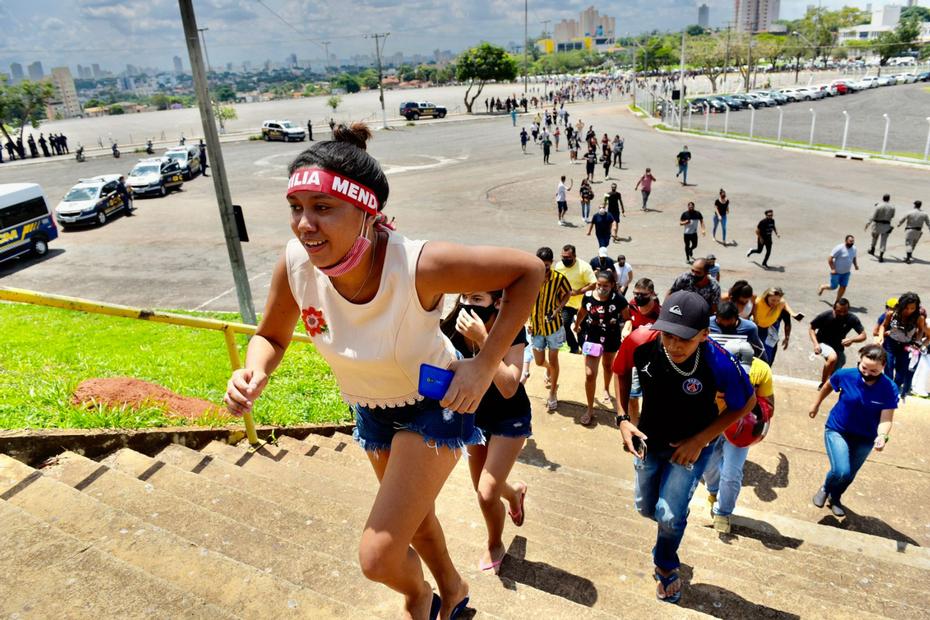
(148, 32)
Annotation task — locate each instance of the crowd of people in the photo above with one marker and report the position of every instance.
(688, 373)
(55, 144)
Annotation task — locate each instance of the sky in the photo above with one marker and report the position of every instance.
(148, 32)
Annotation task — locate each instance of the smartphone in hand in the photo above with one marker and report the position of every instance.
(639, 446)
(434, 381)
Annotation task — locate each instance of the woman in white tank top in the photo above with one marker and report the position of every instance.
(371, 300)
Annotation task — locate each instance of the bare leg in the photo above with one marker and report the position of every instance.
(411, 475)
(840, 292)
(489, 473)
(607, 361)
(553, 374)
(828, 368)
(590, 383)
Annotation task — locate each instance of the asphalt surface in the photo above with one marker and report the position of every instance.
(907, 106)
(469, 182)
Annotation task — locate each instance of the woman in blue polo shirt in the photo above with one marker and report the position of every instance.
(859, 421)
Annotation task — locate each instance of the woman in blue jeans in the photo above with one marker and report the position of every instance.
(860, 420)
(897, 333)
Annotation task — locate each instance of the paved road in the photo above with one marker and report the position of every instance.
(907, 106)
(469, 182)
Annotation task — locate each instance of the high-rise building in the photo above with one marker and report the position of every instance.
(16, 72)
(132, 70)
(35, 71)
(591, 30)
(178, 65)
(292, 60)
(96, 69)
(755, 15)
(703, 16)
(64, 103)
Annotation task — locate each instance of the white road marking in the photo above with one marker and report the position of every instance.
(268, 167)
(439, 163)
(226, 292)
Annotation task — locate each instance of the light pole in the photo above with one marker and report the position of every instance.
(526, 44)
(813, 123)
(845, 128)
(927, 147)
(781, 114)
(752, 120)
(885, 139)
(726, 119)
(203, 38)
(379, 47)
(681, 86)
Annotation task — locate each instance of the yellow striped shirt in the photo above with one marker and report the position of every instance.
(542, 321)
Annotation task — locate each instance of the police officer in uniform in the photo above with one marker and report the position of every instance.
(914, 223)
(881, 225)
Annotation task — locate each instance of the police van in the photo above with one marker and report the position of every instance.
(26, 223)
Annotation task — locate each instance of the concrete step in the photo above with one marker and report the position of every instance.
(603, 572)
(325, 574)
(344, 513)
(212, 576)
(49, 574)
(857, 586)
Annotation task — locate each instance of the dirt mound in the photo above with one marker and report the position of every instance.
(122, 391)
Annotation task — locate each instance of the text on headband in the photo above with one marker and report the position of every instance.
(320, 180)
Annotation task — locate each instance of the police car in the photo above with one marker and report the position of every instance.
(413, 110)
(282, 130)
(91, 201)
(155, 176)
(188, 158)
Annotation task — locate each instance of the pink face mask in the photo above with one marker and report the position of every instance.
(353, 257)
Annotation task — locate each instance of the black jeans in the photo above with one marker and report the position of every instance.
(761, 242)
(691, 241)
(568, 319)
(618, 159)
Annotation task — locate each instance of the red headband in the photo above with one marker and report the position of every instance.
(320, 180)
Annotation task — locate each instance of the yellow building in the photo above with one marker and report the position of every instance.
(64, 103)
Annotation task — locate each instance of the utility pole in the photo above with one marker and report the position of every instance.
(379, 47)
(220, 182)
(205, 53)
(749, 61)
(526, 44)
(681, 86)
(325, 45)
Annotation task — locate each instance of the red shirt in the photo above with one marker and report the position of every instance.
(639, 319)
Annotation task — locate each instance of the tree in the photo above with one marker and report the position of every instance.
(708, 53)
(224, 113)
(479, 65)
(116, 109)
(920, 13)
(656, 53)
(694, 30)
(900, 40)
(224, 92)
(159, 100)
(347, 82)
(334, 102)
(23, 104)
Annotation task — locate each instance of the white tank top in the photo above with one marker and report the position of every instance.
(374, 349)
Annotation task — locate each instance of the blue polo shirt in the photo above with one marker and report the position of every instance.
(859, 408)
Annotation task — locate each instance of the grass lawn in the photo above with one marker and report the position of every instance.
(46, 352)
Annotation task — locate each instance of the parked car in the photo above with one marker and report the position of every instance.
(842, 86)
(829, 90)
(743, 99)
(413, 110)
(779, 98)
(870, 81)
(793, 94)
(923, 76)
(284, 131)
(906, 78)
(885, 80)
(699, 104)
(26, 223)
(188, 158)
(763, 99)
(730, 101)
(91, 201)
(810, 93)
(155, 175)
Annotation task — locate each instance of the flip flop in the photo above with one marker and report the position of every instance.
(435, 607)
(666, 582)
(493, 565)
(459, 608)
(521, 516)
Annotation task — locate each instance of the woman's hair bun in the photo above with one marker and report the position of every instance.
(356, 134)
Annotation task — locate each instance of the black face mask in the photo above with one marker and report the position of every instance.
(697, 279)
(568, 262)
(642, 300)
(482, 312)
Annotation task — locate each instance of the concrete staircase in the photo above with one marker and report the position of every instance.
(226, 532)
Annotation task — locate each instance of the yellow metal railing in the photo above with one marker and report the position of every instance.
(228, 328)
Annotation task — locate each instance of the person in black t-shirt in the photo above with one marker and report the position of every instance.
(828, 333)
(504, 416)
(614, 202)
(680, 371)
(721, 210)
(599, 322)
(690, 219)
(764, 230)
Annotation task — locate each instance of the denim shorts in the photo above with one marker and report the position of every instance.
(375, 427)
(516, 426)
(553, 341)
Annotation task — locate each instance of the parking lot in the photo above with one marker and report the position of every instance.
(469, 182)
(907, 106)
